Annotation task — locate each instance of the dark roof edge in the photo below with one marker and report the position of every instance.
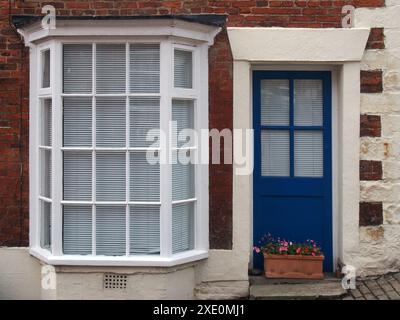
(217, 20)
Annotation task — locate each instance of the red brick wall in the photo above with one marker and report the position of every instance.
(14, 88)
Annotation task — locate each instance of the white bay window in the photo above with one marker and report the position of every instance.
(95, 198)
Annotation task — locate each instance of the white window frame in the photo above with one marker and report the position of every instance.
(197, 38)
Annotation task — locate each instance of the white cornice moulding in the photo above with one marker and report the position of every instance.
(298, 44)
(122, 28)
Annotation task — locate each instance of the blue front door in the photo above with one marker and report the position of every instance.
(292, 164)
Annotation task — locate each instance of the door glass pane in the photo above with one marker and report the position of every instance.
(308, 154)
(275, 153)
(275, 102)
(308, 102)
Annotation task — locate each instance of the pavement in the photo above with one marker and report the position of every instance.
(386, 287)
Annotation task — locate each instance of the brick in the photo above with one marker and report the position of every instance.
(370, 126)
(371, 81)
(376, 39)
(370, 170)
(371, 214)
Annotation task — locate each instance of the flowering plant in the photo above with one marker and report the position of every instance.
(270, 245)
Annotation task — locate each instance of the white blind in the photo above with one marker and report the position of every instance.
(45, 172)
(275, 153)
(77, 61)
(46, 127)
(77, 227)
(308, 154)
(183, 114)
(45, 224)
(144, 68)
(110, 230)
(182, 227)
(308, 102)
(144, 115)
(110, 122)
(77, 122)
(144, 178)
(275, 102)
(110, 176)
(182, 181)
(110, 68)
(46, 69)
(183, 69)
(144, 229)
(77, 176)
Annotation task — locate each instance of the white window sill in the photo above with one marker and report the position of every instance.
(124, 261)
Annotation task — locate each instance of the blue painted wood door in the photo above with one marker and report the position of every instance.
(292, 181)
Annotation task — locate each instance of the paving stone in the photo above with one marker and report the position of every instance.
(356, 293)
(393, 295)
(363, 289)
(371, 284)
(370, 296)
(397, 276)
(383, 297)
(349, 297)
(325, 290)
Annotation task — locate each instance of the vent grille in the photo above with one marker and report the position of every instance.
(115, 281)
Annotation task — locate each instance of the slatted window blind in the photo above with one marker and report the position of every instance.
(144, 114)
(275, 153)
(46, 126)
(182, 227)
(46, 68)
(308, 102)
(45, 224)
(144, 229)
(45, 172)
(77, 61)
(144, 68)
(275, 102)
(183, 69)
(308, 154)
(77, 229)
(110, 68)
(111, 193)
(77, 122)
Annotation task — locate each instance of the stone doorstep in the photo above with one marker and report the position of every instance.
(288, 289)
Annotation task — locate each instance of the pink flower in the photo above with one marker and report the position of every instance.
(313, 254)
(298, 251)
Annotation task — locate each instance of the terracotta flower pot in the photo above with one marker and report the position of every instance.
(293, 266)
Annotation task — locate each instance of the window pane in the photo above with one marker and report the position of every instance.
(182, 227)
(77, 122)
(77, 68)
(182, 179)
(110, 68)
(45, 173)
(183, 66)
(110, 230)
(110, 122)
(308, 154)
(183, 114)
(144, 68)
(144, 116)
(144, 178)
(45, 139)
(46, 69)
(110, 176)
(77, 227)
(275, 153)
(275, 102)
(144, 229)
(45, 223)
(77, 176)
(308, 102)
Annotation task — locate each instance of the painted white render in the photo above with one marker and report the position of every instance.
(379, 250)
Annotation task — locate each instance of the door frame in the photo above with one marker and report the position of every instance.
(303, 68)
